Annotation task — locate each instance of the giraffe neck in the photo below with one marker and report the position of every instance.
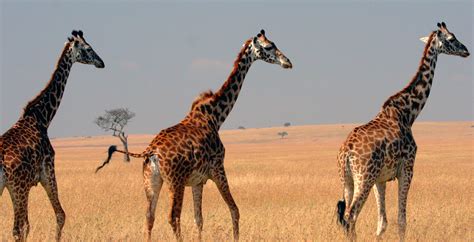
(44, 106)
(224, 99)
(410, 101)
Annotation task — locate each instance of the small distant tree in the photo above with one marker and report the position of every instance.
(287, 124)
(241, 127)
(283, 134)
(115, 120)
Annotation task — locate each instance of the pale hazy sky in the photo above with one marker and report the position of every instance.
(348, 58)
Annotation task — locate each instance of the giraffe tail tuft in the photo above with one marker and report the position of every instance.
(341, 209)
(112, 149)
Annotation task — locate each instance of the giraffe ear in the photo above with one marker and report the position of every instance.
(424, 39)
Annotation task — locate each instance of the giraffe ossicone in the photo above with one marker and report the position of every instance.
(26, 153)
(191, 152)
(384, 148)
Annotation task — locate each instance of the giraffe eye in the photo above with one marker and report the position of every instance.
(269, 47)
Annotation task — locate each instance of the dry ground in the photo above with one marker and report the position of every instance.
(286, 189)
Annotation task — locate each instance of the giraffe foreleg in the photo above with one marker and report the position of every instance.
(153, 183)
(197, 198)
(404, 181)
(220, 179)
(379, 191)
(21, 226)
(48, 181)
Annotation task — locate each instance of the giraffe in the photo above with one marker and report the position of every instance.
(26, 154)
(191, 152)
(384, 149)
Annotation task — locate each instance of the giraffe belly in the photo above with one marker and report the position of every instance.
(196, 178)
(387, 174)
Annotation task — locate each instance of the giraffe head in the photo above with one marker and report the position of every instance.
(266, 50)
(82, 51)
(446, 42)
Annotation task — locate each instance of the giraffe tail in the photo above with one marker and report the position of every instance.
(341, 209)
(112, 149)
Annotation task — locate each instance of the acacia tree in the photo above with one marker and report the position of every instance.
(282, 134)
(115, 120)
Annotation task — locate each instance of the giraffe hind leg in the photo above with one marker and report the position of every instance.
(361, 194)
(343, 205)
(153, 184)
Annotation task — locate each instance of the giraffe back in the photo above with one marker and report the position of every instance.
(376, 147)
(192, 147)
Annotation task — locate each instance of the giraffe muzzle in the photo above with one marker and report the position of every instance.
(285, 62)
(287, 65)
(465, 54)
(100, 64)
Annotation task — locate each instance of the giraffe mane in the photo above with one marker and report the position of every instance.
(37, 99)
(210, 94)
(234, 69)
(203, 96)
(411, 83)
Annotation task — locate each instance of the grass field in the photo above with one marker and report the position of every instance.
(286, 189)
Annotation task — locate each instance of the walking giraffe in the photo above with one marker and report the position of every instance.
(384, 148)
(191, 152)
(26, 154)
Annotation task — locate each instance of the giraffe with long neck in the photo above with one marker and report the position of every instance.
(384, 149)
(191, 152)
(26, 154)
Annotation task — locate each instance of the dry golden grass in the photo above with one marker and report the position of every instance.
(286, 189)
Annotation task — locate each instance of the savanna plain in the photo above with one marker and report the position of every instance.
(286, 189)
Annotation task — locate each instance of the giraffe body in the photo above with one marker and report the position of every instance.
(26, 153)
(191, 152)
(384, 149)
(3, 179)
